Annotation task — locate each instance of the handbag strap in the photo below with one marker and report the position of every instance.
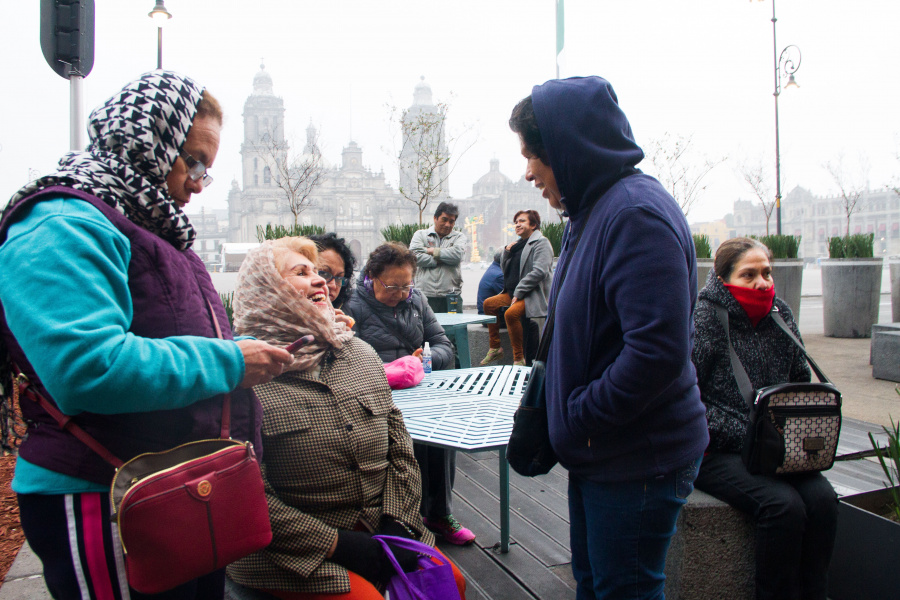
(25, 388)
(414, 546)
(66, 422)
(740, 374)
(225, 431)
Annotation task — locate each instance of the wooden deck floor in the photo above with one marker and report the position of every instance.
(538, 563)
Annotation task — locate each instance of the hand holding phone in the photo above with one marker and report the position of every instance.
(306, 339)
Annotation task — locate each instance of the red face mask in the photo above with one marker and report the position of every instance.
(757, 303)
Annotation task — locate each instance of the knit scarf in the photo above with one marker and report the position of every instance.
(756, 303)
(135, 137)
(270, 309)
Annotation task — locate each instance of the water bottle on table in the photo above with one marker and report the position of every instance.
(426, 358)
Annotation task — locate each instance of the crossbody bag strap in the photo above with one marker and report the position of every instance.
(225, 431)
(740, 374)
(24, 387)
(776, 316)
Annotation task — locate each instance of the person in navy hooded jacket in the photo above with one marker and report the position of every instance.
(624, 410)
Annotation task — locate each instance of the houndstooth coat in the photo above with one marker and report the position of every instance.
(336, 453)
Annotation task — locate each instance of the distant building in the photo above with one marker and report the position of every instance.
(211, 227)
(817, 218)
(352, 200)
(716, 231)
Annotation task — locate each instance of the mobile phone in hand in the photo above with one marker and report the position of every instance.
(306, 339)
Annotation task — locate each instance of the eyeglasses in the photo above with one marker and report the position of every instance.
(328, 277)
(196, 169)
(395, 288)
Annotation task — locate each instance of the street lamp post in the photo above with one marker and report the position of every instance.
(160, 15)
(786, 63)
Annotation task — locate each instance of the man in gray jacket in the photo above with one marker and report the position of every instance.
(439, 252)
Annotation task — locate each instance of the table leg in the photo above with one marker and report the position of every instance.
(462, 347)
(504, 501)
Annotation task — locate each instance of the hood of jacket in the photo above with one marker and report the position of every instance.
(589, 150)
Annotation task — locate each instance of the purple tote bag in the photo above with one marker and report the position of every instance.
(431, 581)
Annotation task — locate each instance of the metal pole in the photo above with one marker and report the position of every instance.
(76, 110)
(777, 146)
(159, 48)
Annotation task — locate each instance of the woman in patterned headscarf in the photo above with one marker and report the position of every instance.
(339, 462)
(108, 313)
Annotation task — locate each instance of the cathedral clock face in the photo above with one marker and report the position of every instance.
(354, 162)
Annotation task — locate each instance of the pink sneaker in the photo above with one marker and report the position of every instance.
(451, 530)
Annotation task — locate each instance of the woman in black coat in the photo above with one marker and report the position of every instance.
(395, 319)
(795, 515)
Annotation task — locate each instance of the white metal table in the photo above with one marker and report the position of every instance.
(469, 410)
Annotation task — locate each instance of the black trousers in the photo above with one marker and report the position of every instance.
(796, 523)
(438, 467)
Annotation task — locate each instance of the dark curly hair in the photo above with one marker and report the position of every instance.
(523, 122)
(330, 241)
(390, 254)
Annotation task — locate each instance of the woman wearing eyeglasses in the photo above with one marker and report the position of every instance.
(395, 319)
(111, 317)
(336, 265)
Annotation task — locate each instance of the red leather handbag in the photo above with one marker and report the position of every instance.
(185, 512)
(189, 511)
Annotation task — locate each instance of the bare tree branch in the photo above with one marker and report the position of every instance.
(680, 169)
(429, 154)
(851, 186)
(296, 174)
(757, 177)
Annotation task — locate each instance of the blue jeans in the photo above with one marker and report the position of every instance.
(620, 533)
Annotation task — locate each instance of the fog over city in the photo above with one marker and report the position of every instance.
(700, 68)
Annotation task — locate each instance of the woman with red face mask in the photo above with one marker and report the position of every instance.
(795, 515)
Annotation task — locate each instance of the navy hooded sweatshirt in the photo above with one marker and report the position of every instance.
(622, 396)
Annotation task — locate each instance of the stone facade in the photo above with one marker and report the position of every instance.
(817, 218)
(351, 199)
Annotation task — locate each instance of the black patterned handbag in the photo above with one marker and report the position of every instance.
(794, 427)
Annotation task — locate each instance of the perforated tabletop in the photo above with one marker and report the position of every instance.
(464, 409)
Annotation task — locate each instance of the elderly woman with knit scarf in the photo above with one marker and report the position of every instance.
(795, 515)
(338, 463)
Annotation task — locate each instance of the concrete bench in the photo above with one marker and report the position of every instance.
(886, 355)
(712, 553)
(875, 329)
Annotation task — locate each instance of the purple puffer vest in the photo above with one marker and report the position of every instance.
(170, 291)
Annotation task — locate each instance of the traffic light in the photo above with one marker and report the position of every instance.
(67, 36)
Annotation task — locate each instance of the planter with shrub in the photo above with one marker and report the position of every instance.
(851, 286)
(704, 258)
(864, 562)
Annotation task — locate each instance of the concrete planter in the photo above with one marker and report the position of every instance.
(704, 266)
(851, 289)
(788, 276)
(864, 563)
(894, 264)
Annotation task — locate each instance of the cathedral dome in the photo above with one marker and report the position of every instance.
(491, 182)
(262, 82)
(422, 93)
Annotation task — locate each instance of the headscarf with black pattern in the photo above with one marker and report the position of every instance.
(135, 137)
